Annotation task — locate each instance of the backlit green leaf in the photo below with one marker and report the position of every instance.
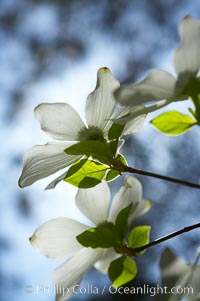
(122, 159)
(102, 236)
(114, 135)
(112, 174)
(122, 270)
(115, 131)
(97, 149)
(173, 123)
(192, 112)
(117, 170)
(86, 173)
(138, 237)
(121, 223)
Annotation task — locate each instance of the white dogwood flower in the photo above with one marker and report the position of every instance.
(57, 237)
(161, 85)
(63, 124)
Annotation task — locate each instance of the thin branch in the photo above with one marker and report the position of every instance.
(196, 259)
(158, 176)
(134, 251)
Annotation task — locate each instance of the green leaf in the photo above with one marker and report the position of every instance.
(75, 167)
(115, 131)
(122, 159)
(112, 174)
(114, 135)
(173, 123)
(88, 182)
(101, 237)
(115, 172)
(86, 173)
(122, 270)
(192, 112)
(138, 237)
(99, 150)
(121, 223)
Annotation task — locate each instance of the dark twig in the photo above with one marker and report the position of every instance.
(134, 251)
(158, 176)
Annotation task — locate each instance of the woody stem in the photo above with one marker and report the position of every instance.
(159, 176)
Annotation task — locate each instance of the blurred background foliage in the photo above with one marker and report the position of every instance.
(50, 51)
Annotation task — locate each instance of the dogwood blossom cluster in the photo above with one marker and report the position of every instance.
(88, 154)
(163, 88)
(62, 123)
(57, 238)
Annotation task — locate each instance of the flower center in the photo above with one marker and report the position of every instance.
(91, 133)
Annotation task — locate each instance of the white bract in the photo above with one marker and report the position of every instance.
(57, 238)
(63, 123)
(178, 275)
(162, 86)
